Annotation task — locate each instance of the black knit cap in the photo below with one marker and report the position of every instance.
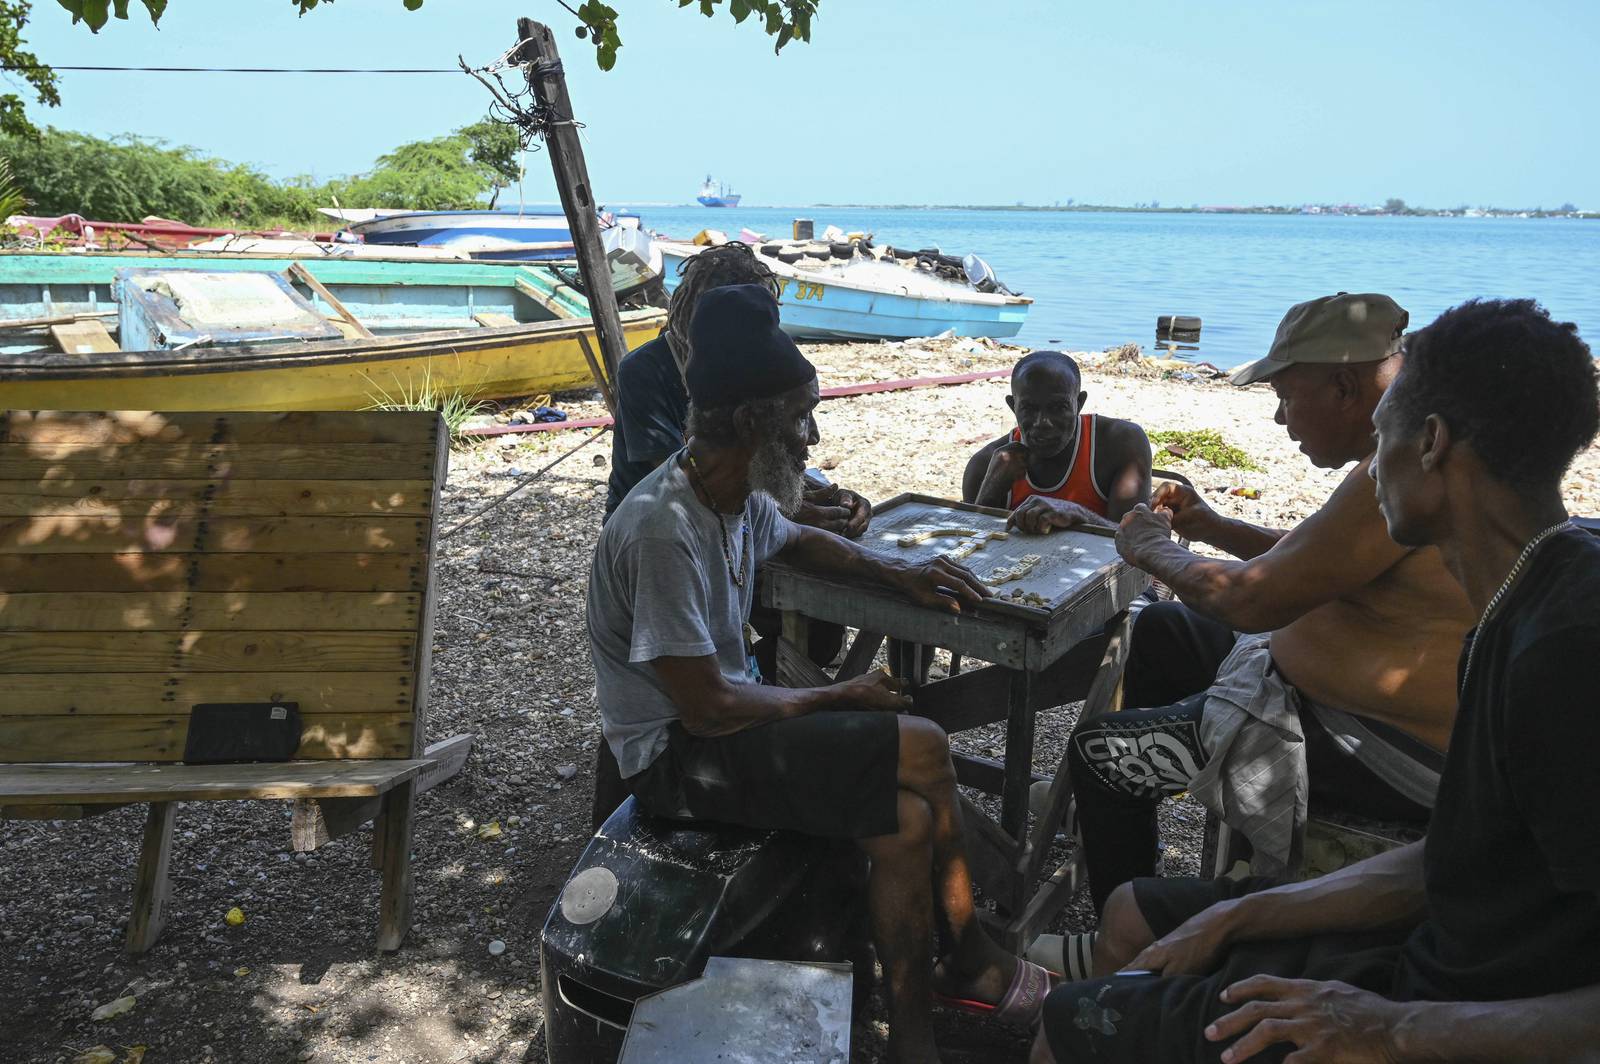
(738, 351)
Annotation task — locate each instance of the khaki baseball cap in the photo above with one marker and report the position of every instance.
(1338, 328)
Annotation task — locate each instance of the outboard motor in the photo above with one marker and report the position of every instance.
(650, 900)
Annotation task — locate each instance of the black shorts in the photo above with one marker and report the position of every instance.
(1143, 1018)
(830, 774)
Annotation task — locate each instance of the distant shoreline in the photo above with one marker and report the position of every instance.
(1310, 210)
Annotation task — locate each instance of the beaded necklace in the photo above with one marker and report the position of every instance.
(1505, 586)
(722, 526)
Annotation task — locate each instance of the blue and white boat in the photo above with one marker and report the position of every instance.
(491, 235)
(866, 298)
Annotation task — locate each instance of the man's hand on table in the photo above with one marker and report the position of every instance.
(1142, 531)
(875, 690)
(832, 509)
(942, 584)
(1039, 514)
(1328, 1023)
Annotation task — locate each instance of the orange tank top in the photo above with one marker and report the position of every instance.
(1079, 484)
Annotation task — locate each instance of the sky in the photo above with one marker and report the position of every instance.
(907, 101)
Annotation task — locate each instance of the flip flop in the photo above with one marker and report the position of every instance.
(1020, 1006)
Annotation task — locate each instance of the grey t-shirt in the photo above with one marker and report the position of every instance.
(659, 586)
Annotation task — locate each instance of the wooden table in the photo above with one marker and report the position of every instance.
(1086, 589)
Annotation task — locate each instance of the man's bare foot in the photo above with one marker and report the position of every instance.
(987, 983)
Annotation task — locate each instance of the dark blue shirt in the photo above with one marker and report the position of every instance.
(652, 409)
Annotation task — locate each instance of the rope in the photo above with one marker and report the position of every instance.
(229, 70)
(520, 107)
(524, 482)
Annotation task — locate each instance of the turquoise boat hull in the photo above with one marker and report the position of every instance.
(828, 308)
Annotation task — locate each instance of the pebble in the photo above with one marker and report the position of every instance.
(566, 772)
(496, 947)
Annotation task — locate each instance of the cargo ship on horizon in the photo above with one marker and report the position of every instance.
(714, 195)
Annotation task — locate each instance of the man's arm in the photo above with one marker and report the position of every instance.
(1342, 547)
(991, 472)
(1194, 519)
(1127, 449)
(941, 583)
(1334, 1023)
(1383, 891)
(709, 705)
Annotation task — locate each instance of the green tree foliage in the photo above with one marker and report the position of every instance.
(1394, 205)
(497, 150)
(21, 63)
(12, 201)
(785, 20)
(428, 175)
(127, 178)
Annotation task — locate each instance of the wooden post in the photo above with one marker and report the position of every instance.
(549, 84)
(150, 882)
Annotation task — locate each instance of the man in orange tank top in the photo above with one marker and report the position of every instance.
(1099, 467)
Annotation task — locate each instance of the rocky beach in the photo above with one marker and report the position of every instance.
(300, 980)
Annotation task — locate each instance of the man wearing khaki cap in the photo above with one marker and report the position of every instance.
(1317, 668)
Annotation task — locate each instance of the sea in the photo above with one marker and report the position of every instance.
(1100, 279)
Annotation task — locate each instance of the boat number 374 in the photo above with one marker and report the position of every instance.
(802, 289)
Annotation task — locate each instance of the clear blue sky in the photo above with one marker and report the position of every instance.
(911, 101)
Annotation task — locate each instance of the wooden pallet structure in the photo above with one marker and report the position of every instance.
(152, 562)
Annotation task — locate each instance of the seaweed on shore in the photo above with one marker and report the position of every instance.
(1204, 443)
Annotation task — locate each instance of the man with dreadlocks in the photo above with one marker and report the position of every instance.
(652, 411)
(670, 589)
(652, 403)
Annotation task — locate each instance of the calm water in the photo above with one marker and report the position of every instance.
(1098, 280)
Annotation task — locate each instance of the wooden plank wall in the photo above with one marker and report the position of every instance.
(149, 562)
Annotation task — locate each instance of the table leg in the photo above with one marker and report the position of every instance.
(797, 630)
(1019, 773)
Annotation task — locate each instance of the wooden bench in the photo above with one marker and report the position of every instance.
(152, 562)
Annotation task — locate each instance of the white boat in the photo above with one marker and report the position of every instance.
(866, 298)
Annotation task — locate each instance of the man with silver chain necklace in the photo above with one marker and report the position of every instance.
(1481, 942)
(697, 736)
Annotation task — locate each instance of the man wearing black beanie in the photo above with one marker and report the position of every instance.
(698, 736)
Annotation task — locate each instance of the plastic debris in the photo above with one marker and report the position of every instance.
(97, 1055)
(1246, 493)
(491, 830)
(135, 1055)
(113, 1008)
(566, 772)
(241, 972)
(496, 947)
(235, 917)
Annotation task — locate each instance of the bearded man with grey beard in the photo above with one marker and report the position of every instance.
(697, 735)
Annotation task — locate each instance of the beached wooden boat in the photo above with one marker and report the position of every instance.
(872, 300)
(393, 329)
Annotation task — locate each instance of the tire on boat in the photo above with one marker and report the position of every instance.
(842, 251)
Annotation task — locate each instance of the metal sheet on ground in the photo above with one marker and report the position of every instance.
(746, 1012)
(1069, 560)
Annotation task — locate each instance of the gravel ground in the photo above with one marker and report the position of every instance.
(300, 979)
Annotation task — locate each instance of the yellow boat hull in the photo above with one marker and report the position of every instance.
(336, 375)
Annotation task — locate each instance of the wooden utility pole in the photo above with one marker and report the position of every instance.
(549, 84)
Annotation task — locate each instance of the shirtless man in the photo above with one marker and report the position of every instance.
(1481, 943)
(1348, 647)
(1093, 469)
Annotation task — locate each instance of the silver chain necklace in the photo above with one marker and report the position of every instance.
(1505, 586)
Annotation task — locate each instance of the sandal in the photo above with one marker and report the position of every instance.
(1020, 1006)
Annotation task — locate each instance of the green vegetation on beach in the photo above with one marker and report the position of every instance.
(1204, 443)
(127, 178)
